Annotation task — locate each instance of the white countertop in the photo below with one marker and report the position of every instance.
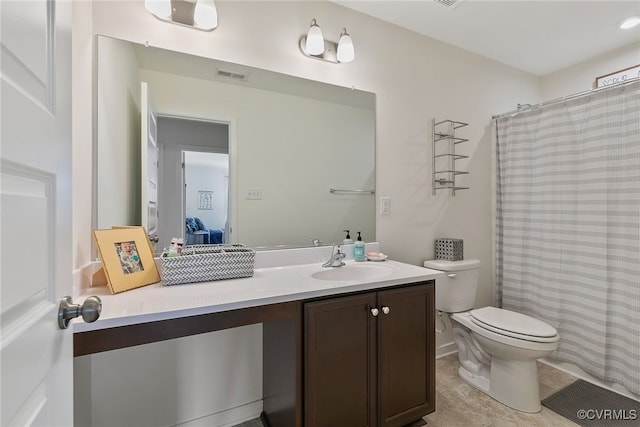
(269, 285)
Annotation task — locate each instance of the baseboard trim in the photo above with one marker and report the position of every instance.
(446, 350)
(577, 372)
(227, 418)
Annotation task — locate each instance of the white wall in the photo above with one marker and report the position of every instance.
(119, 135)
(172, 382)
(581, 77)
(415, 79)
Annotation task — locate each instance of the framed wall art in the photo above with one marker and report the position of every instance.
(205, 200)
(619, 76)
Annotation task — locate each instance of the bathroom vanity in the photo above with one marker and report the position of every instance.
(370, 356)
(352, 345)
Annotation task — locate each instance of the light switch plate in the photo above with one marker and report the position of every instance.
(385, 205)
(254, 194)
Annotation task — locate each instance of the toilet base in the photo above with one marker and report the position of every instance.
(506, 383)
(478, 381)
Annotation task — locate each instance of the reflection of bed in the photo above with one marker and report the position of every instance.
(196, 233)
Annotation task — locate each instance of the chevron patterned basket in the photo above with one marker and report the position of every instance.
(204, 263)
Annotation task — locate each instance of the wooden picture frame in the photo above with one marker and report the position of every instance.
(127, 259)
(619, 76)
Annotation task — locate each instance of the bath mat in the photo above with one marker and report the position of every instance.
(591, 406)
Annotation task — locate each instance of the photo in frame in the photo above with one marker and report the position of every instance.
(151, 245)
(127, 259)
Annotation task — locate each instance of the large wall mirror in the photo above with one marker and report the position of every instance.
(253, 154)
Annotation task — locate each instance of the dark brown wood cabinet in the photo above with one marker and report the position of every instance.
(369, 358)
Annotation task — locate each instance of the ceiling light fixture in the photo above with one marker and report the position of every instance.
(315, 46)
(630, 22)
(199, 14)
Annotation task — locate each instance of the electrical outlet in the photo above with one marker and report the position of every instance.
(254, 194)
(385, 205)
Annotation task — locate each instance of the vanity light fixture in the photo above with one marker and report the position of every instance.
(199, 14)
(315, 46)
(634, 21)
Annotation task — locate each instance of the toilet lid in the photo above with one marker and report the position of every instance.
(513, 324)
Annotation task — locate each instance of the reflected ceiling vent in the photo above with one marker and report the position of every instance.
(232, 75)
(451, 4)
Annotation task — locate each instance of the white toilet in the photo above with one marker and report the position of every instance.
(497, 348)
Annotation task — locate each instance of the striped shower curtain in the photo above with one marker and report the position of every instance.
(568, 226)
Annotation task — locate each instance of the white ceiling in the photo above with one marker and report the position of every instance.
(537, 36)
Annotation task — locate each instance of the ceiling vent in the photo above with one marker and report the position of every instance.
(451, 4)
(232, 75)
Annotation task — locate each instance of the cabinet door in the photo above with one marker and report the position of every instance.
(406, 354)
(340, 362)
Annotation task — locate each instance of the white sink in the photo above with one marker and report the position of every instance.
(353, 273)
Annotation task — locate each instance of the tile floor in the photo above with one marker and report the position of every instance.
(459, 404)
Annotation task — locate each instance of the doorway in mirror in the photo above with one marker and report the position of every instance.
(205, 197)
(195, 180)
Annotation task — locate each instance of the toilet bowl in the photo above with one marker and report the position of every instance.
(497, 348)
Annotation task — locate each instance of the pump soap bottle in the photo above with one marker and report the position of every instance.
(358, 249)
(347, 240)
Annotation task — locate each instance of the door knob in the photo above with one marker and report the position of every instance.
(89, 310)
(375, 312)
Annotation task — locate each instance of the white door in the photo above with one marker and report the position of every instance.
(149, 167)
(35, 227)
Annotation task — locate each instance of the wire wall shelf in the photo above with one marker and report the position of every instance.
(444, 155)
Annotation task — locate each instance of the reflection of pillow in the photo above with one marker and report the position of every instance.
(199, 224)
(190, 224)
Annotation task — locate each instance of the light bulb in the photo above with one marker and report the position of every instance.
(630, 22)
(345, 47)
(315, 42)
(205, 15)
(160, 8)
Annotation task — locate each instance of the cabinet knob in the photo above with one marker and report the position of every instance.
(375, 312)
(386, 310)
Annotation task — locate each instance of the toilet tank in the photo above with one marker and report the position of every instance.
(457, 290)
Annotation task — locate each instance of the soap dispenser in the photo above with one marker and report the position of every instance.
(358, 249)
(347, 240)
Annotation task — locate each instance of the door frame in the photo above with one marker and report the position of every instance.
(164, 205)
(183, 205)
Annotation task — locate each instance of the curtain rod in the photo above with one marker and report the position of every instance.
(528, 107)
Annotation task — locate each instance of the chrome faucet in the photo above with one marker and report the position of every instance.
(336, 257)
